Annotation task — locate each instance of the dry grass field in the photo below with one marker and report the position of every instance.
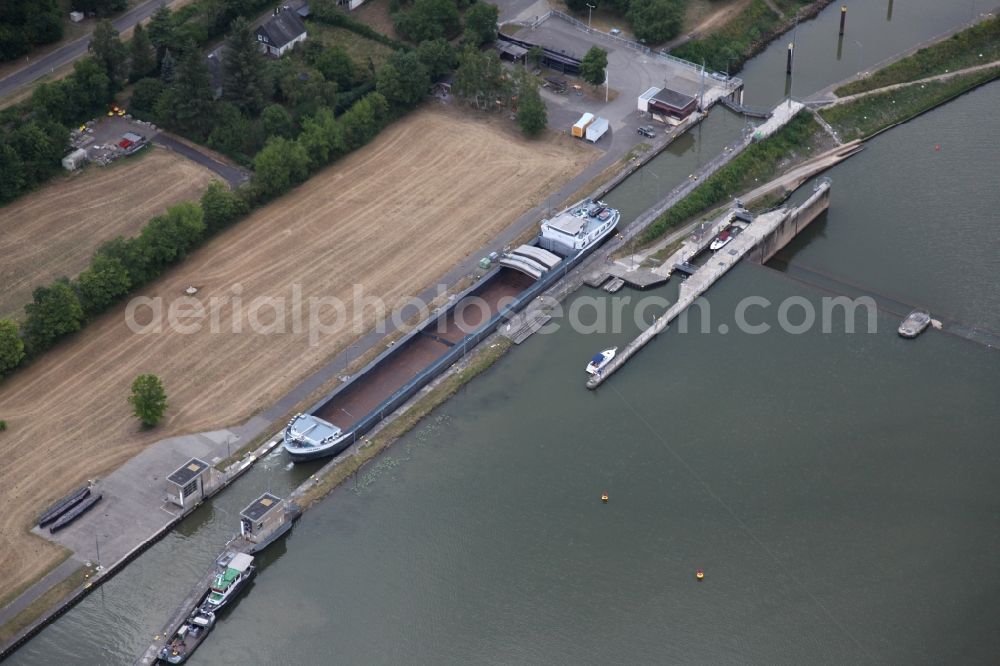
(392, 218)
(54, 230)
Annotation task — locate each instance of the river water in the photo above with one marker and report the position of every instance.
(838, 489)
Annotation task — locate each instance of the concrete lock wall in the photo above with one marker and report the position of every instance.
(794, 222)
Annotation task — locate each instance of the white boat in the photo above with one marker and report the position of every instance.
(579, 228)
(232, 577)
(914, 324)
(600, 360)
(724, 238)
(309, 437)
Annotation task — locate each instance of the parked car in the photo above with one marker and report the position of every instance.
(647, 132)
(615, 31)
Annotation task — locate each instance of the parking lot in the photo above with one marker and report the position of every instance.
(630, 73)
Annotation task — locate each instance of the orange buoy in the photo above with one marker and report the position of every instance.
(699, 574)
(604, 497)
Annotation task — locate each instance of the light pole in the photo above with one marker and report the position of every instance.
(861, 55)
(590, 14)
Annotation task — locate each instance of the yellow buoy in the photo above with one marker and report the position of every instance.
(699, 574)
(604, 497)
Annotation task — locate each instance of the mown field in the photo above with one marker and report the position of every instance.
(390, 219)
(53, 231)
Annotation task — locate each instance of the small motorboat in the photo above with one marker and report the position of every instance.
(188, 637)
(914, 324)
(721, 240)
(600, 360)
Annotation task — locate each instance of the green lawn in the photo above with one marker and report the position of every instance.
(359, 48)
(863, 117)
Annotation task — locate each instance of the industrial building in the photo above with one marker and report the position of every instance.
(666, 105)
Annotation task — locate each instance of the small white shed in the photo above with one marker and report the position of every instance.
(645, 97)
(74, 160)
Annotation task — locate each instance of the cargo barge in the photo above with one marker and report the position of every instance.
(350, 411)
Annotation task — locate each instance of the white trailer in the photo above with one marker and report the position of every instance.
(597, 129)
(645, 97)
(74, 160)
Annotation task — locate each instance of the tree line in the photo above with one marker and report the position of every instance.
(653, 21)
(295, 145)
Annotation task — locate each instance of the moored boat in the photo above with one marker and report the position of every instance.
(600, 360)
(725, 237)
(74, 513)
(578, 229)
(63, 505)
(308, 437)
(227, 584)
(915, 323)
(188, 637)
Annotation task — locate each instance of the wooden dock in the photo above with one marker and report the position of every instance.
(524, 325)
(764, 236)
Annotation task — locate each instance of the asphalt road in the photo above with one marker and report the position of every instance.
(234, 177)
(70, 52)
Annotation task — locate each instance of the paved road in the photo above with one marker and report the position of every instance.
(233, 176)
(70, 52)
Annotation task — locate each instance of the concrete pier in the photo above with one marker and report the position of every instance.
(767, 234)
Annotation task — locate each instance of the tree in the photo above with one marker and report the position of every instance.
(145, 94)
(221, 206)
(243, 67)
(103, 283)
(190, 98)
(402, 79)
(11, 173)
(429, 19)
(234, 134)
(363, 121)
(148, 400)
(54, 312)
(481, 23)
(161, 32)
(531, 115)
(89, 88)
(11, 347)
(276, 121)
(322, 138)
(99, 7)
(480, 78)
(337, 65)
(279, 165)
(109, 52)
(167, 67)
(169, 237)
(438, 56)
(593, 65)
(656, 20)
(142, 57)
(535, 55)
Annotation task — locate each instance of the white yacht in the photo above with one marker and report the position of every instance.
(578, 228)
(600, 360)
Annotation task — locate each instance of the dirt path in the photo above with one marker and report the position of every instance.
(714, 20)
(74, 214)
(390, 219)
(896, 86)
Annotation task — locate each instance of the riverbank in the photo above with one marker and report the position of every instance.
(748, 33)
(875, 112)
(967, 48)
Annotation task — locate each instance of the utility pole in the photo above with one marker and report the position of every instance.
(701, 93)
(590, 14)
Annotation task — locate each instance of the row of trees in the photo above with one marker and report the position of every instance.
(653, 21)
(482, 82)
(25, 24)
(423, 20)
